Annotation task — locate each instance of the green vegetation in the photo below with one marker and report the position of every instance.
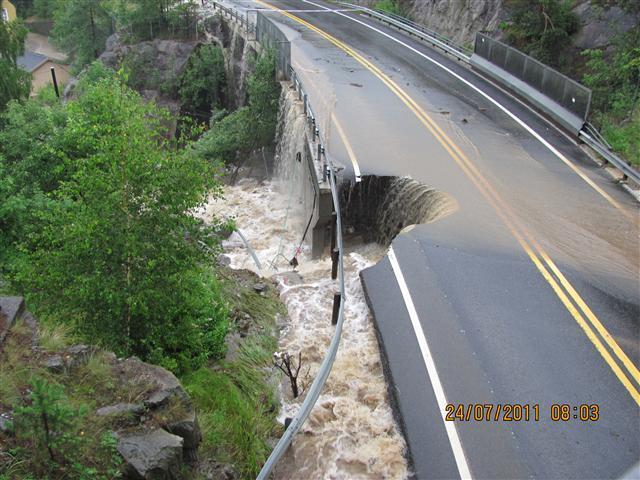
(615, 81)
(235, 400)
(55, 437)
(390, 6)
(149, 19)
(203, 83)
(81, 27)
(15, 83)
(541, 28)
(99, 231)
(232, 137)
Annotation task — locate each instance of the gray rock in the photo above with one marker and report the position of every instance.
(224, 261)
(77, 355)
(189, 429)
(127, 413)
(260, 287)
(10, 310)
(54, 363)
(6, 426)
(168, 386)
(156, 455)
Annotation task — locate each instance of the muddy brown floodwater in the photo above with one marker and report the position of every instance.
(351, 432)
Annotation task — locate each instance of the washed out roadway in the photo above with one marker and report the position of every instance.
(526, 294)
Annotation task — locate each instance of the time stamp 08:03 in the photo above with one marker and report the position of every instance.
(521, 412)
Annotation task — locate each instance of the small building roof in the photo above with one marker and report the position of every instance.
(30, 61)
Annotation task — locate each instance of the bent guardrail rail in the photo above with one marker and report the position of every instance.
(412, 28)
(312, 395)
(329, 173)
(605, 152)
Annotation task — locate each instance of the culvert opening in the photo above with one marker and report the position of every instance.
(378, 208)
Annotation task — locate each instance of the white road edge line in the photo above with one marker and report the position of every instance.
(452, 433)
(515, 118)
(347, 145)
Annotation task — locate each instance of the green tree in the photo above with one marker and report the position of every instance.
(121, 255)
(541, 28)
(203, 83)
(44, 8)
(81, 27)
(232, 137)
(15, 83)
(149, 19)
(615, 81)
(30, 167)
(48, 419)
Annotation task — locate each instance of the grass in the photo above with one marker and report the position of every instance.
(89, 453)
(390, 6)
(235, 400)
(625, 139)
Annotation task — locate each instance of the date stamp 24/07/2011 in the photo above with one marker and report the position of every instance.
(520, 412)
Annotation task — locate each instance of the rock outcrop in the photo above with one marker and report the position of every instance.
(237, 51)
(145, 406)
(461, 19)
(154, 455)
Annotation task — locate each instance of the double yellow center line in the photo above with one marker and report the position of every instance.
(623, 367)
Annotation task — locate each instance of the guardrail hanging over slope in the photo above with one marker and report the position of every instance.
(272, 36)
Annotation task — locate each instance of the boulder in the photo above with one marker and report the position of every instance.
(54, 363)
(155, 455)
(127, 414)
(189, 429)
(10, 309)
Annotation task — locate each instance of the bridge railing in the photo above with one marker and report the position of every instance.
(233, 14)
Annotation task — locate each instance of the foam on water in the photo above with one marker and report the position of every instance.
(351, 433)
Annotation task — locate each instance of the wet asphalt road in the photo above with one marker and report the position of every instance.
(497, 330)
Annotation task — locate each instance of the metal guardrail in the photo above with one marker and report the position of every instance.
(605, 152)
(243, 20)
(415, 29)
(589, 134)
(329, 174)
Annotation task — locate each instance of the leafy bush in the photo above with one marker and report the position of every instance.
(615, 81)
(117, 251)
(14, 82)
(248, 128)
(30, 167)
(541, 28)
(202, 85)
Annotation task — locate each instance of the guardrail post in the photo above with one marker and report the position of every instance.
(335, 256)
(337, 299)
(334, 229)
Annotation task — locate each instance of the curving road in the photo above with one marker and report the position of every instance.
(528, 293)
